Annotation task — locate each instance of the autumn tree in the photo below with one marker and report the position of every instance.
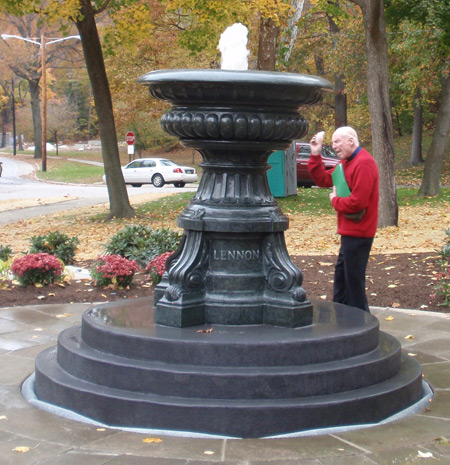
(200, 28)
(434, 18)
(83, 14)
(380, 106)
(61, 120)
(6, 101)
(23, 57)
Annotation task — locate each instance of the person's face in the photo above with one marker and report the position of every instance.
(343, 145)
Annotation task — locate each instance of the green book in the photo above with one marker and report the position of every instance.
(342, 189)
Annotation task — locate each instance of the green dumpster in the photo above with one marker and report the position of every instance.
(282, 176)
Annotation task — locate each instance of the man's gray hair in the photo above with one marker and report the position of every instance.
(348, 131)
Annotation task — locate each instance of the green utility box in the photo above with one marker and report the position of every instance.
(282, 177)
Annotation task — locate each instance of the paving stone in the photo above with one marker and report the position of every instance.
(287, 449)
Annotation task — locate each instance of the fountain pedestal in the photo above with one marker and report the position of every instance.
(233, 267)
(295, 365)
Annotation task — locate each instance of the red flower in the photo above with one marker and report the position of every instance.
(37, 268)
(157, 267)
(113, 269)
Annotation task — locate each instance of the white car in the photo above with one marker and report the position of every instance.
(158, 171)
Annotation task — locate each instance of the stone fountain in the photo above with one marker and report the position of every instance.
(231, 345)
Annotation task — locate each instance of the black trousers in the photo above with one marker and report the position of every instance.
(350, 272)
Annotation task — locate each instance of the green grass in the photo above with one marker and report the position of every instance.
(408, 197)
(312, 202)
(167, 206)
(66, 171)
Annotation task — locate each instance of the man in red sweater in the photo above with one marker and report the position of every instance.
(357, 214)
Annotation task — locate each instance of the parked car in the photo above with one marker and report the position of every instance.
(303, 150)
(157, 171)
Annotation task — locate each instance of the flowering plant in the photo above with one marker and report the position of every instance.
(37, 268)
(443, 286)
(157, 267)
(113, 270)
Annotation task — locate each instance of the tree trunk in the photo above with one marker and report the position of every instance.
(379, 107)
(291, 32)
(33, 85)
(119, 204)
(433, 163)
(56, 142)
(340, 97)
(268, 33)
(340, 102)
(416, 145)
(3, 143)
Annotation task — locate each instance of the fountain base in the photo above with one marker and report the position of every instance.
(255, 381)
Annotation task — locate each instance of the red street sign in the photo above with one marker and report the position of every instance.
(130, 138)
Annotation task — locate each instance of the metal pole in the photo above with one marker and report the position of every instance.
(13, 116)
(44, 106)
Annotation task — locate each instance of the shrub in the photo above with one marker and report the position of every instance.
(443, 286)
(4, 269)
(113, 270)
(5, 253)
(445, 251)
(142, 243)
(56, 243)
(157, 267)
(37, 268)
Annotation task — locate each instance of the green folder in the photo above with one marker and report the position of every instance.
(342, 189)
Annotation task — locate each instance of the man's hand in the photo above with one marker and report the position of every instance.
(316, 144)
(333, 194)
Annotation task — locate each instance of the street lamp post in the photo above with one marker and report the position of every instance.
(13, 115)
(42, 44)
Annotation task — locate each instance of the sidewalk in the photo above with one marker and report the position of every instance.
(31, 436)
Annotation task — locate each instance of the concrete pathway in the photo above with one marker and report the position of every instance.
(32, 436)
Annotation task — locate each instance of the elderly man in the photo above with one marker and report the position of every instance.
(357, 214)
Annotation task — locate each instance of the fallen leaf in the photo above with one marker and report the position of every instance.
(63, 315)
(21, 449)
(409, 336)
(40, 297)
(395, 305)
(392, 286)
(208, 452)
(101, 429)
(151, 440)
(425, 455)
(389, 318)
(51, 294)
(442, 441)
(210, 330)
(3, 417)
(412, 355)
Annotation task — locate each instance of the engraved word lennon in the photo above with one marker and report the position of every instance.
(246, 255)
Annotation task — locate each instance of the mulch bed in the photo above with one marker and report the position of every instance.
(397, 280)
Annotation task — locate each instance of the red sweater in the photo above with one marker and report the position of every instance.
(361, 174)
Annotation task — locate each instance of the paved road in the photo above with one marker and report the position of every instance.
(15, 186)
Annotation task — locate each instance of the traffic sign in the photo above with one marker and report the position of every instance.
(130, 138)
